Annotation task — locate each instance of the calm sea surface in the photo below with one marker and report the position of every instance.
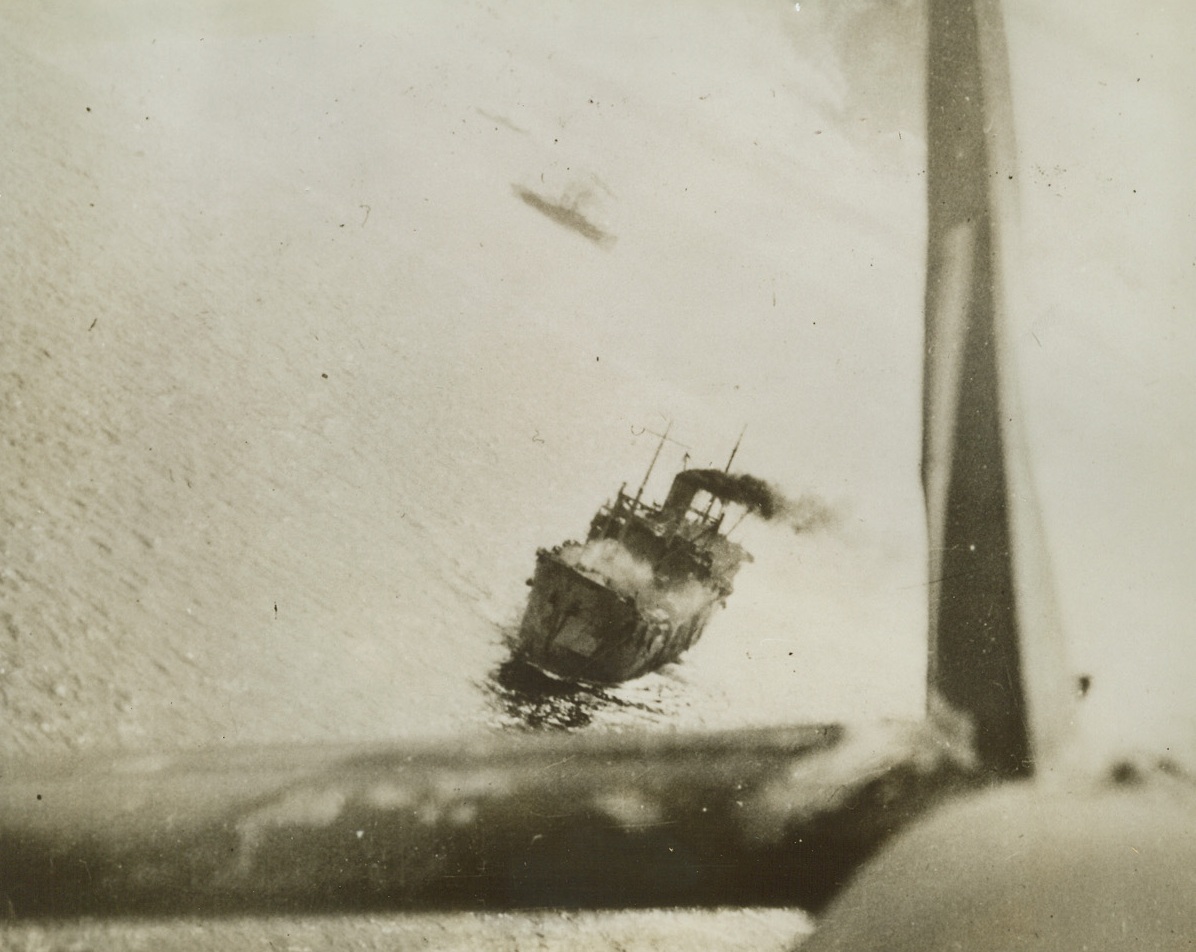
(295, 376)
(218, 534)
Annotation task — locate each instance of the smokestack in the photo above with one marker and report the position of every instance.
(760, 498)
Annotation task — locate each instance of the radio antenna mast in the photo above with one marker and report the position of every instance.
(655, 456)
(727, 468)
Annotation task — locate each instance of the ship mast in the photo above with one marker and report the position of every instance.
(726, 469)
(655, 456)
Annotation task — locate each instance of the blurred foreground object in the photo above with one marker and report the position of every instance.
(1107, 866)
(996, 653)
(751, 818)
(1077, 857)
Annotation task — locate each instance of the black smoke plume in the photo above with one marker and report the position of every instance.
(760, 498)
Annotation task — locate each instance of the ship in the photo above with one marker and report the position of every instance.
(638, 592)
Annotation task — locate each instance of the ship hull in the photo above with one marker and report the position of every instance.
(579, 628)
